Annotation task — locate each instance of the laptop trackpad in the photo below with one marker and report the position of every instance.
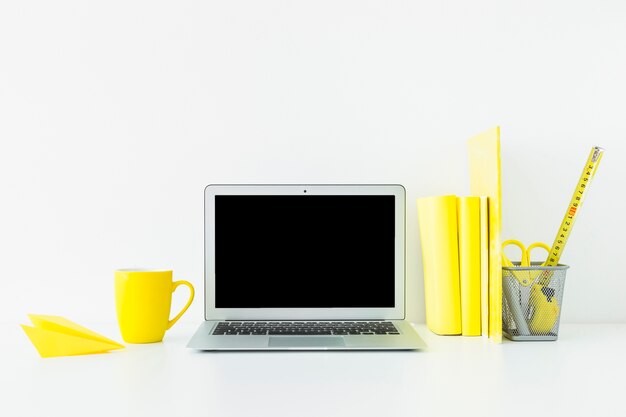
(306, 341)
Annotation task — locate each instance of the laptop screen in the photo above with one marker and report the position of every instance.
(304, 251)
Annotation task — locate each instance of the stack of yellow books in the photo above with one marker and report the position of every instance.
(461, 249)
(454, 257)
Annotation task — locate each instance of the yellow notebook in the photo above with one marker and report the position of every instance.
(468, 214)
(440, 256)
(484, 165)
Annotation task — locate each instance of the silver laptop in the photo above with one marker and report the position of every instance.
(304, 267)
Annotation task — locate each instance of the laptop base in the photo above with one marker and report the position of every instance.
(408, 339)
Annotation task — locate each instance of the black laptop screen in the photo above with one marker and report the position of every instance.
(310, 251)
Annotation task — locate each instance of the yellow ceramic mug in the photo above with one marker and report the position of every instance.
(143, 299)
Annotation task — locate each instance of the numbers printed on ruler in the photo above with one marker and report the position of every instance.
(577, 199)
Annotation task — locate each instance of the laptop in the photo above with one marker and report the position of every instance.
(304, 267)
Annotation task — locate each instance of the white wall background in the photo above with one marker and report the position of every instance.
(114, 116)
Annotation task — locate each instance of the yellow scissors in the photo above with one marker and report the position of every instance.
(527, 278)
(543, 307)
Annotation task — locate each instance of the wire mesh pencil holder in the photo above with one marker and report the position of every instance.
(532, 301)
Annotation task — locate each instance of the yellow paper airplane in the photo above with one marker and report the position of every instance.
(57, 336)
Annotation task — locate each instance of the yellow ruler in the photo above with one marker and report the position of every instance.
(574, 206)
(546, 312)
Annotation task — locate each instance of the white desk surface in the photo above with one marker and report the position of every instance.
(582, 373)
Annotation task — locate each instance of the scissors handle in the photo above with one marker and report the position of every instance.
(525, 278)
(534, 246)
(525, 259)
(524, 254)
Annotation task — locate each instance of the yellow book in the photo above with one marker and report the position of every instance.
(484, 266)
(437, 220)
(468, 214)
(484, 166)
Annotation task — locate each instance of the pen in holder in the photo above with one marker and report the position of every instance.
(532, 301)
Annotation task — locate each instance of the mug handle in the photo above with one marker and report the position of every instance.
(191, 295)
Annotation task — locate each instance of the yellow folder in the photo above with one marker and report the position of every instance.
(468, 212)
(484, 166)
(437, 220)
(57, 336)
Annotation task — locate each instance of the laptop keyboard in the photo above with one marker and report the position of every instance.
(304, 328)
